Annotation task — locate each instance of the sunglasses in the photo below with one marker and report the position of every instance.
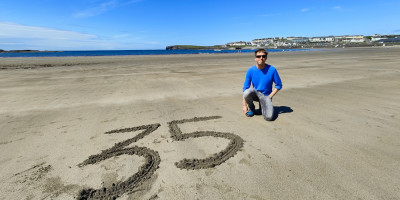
(259, 56)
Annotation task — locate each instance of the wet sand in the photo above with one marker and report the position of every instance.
(172, 127)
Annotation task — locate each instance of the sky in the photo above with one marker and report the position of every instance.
(155, 24)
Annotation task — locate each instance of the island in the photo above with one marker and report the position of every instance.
(23, 51)
(218, 47)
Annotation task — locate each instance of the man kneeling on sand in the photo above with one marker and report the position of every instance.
(261, 76)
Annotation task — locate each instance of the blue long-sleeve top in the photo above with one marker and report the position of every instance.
(262, 79)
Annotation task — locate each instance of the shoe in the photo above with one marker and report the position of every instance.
(257, 112)
(250, 113)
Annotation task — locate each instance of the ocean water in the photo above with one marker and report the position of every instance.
(132, 52)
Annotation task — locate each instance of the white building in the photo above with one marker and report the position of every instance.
(377, 37)
(322, 39)
(353, 39)
(298, 39)
(240, 43)
(262, 42)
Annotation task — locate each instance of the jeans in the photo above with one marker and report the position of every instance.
(267, 109)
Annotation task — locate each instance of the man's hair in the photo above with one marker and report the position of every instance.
(261, 50)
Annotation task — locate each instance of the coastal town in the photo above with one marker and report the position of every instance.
(304, 42)
(324, 41)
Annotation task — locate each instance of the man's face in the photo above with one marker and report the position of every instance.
(261, 57)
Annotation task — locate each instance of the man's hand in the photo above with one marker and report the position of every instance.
(274, 91)
(245, 110)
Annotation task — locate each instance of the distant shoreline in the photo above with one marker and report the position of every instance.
(304, 46)
(131, 52)
(25, 51)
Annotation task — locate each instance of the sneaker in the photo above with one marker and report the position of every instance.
(250, 113)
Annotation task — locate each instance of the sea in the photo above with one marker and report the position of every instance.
(130, 52)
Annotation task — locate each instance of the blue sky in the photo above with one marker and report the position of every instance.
(154, 24)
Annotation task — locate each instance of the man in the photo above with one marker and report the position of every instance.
(261, 76)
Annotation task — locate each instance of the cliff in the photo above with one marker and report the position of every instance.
(193, 47)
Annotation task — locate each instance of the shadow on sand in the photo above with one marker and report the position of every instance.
(281, 110)
(277, 111)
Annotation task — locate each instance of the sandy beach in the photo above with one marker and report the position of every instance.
(172, 127)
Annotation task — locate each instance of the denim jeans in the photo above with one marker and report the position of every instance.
(267, 109)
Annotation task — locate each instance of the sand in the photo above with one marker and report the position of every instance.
(172, 127)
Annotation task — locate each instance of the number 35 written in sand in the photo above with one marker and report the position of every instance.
(152, 158)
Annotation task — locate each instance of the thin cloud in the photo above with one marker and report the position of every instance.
(102, 8)
(337, 8)
(13, 30)
(17, 36)
(305, 10)
(96, 10)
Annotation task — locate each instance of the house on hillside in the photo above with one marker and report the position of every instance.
(298, 40)
(240, 43)
(262, 42)
(377, 37)
(390, 40)
(327, 39)
(353, 39)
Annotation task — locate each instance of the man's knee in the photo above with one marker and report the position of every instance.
(269, 118)
(250, 94)
(269, 115)
(268, 109)
(247, 92)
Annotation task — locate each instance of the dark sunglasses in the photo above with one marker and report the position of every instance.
(264, 56)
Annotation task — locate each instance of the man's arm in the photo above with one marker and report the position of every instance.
(246, 85)
(278, 84)
(244, 106)
(274, 91)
